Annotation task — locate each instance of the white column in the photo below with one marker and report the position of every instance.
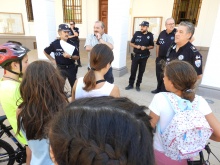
(118, 24)
(44, 24)
(210, 84)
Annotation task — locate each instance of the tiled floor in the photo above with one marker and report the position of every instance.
(143, 97)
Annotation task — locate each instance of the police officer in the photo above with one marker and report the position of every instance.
(142, 42)
(182, 49)
(63, 60)
(164, 41)
(74, 38)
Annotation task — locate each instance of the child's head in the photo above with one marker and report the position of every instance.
(100, 134)
(101, 57)
(13, 57)
(42, 93)
(182, 76)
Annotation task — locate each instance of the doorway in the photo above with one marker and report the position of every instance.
(103, 13)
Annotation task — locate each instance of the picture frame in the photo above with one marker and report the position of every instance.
(155, 23)
(11, 23)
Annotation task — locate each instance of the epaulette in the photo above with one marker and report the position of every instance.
(193, 48)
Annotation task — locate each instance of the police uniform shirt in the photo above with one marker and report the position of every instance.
(58, 51)
(71, 34)
(188, 53)
(165, 40)
(142, 39)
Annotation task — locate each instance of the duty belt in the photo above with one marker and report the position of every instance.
(141, 55)
(65, 66)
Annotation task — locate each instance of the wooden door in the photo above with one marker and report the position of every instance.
(103, 13)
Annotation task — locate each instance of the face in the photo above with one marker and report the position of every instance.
(25, 63)
(63, 35)
(72, 25)
(181, 35)
(144, 29)
(168, 84)
(98, 28)
(170, 24)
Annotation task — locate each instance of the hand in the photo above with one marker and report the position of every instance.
(138, 47)
(66, 55)
(98, 36)
(143, 47)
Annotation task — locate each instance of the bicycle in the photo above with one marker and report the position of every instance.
(7, 153)
(202, 160)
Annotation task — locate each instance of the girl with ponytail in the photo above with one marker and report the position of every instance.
(93, 83)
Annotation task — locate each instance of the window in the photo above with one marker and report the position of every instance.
(30, 15)
(186, 10)
(72, 11)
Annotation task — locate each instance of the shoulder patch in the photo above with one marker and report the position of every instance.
(193, 48)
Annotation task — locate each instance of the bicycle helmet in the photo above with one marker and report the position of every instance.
(10, 52)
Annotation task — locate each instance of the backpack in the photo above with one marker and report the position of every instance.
(188, 132)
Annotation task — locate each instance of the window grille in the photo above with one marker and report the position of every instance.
(186, 10)
(29, 9)
(72, 11)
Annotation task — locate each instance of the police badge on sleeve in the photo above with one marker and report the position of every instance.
(198, 63)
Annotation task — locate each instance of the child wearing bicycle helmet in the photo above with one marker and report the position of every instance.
(14, 60)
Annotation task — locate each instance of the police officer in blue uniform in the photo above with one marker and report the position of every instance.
(74, 38)
(164, 41)
(183, 49)
(65, 62)
(142, 42)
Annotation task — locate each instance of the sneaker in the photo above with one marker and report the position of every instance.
(138, 88)
(128, 87)
(155, 91)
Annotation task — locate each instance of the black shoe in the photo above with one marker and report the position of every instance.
(128, 87)
(155, 91)
(138, 88)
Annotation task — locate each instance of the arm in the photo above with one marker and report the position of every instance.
(215, 125)
(115, 92)
(106, 43)
(50, 58)
(75, 34)
(157, 50)
(88, 48)
(74, 90)
(73, 57)
(135, 46)
(154, 120)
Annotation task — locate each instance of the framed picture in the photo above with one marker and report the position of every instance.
(11, 23)
(154, 27)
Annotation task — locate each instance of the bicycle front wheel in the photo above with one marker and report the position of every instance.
(7, 153)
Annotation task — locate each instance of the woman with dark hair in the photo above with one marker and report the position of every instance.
(101, 134)
(179, 79)
(43, 96)
(93, 84)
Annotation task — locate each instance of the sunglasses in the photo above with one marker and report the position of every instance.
(71, 23)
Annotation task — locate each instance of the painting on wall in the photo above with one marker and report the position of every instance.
(154, 27)
(11, 23)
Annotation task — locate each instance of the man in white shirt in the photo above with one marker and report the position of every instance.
(99, 37)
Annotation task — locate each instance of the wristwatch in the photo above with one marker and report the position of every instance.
(71, 57)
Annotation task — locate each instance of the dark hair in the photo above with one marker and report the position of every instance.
(100, 56)
(42, 92)
(183, 76)
(122, 102)
(101, 134)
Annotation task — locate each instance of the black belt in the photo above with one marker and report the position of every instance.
(141, 55)
(66, 66)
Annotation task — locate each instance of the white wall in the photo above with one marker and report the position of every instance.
(211, 75)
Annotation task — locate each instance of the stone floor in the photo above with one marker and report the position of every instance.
(143, 97)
